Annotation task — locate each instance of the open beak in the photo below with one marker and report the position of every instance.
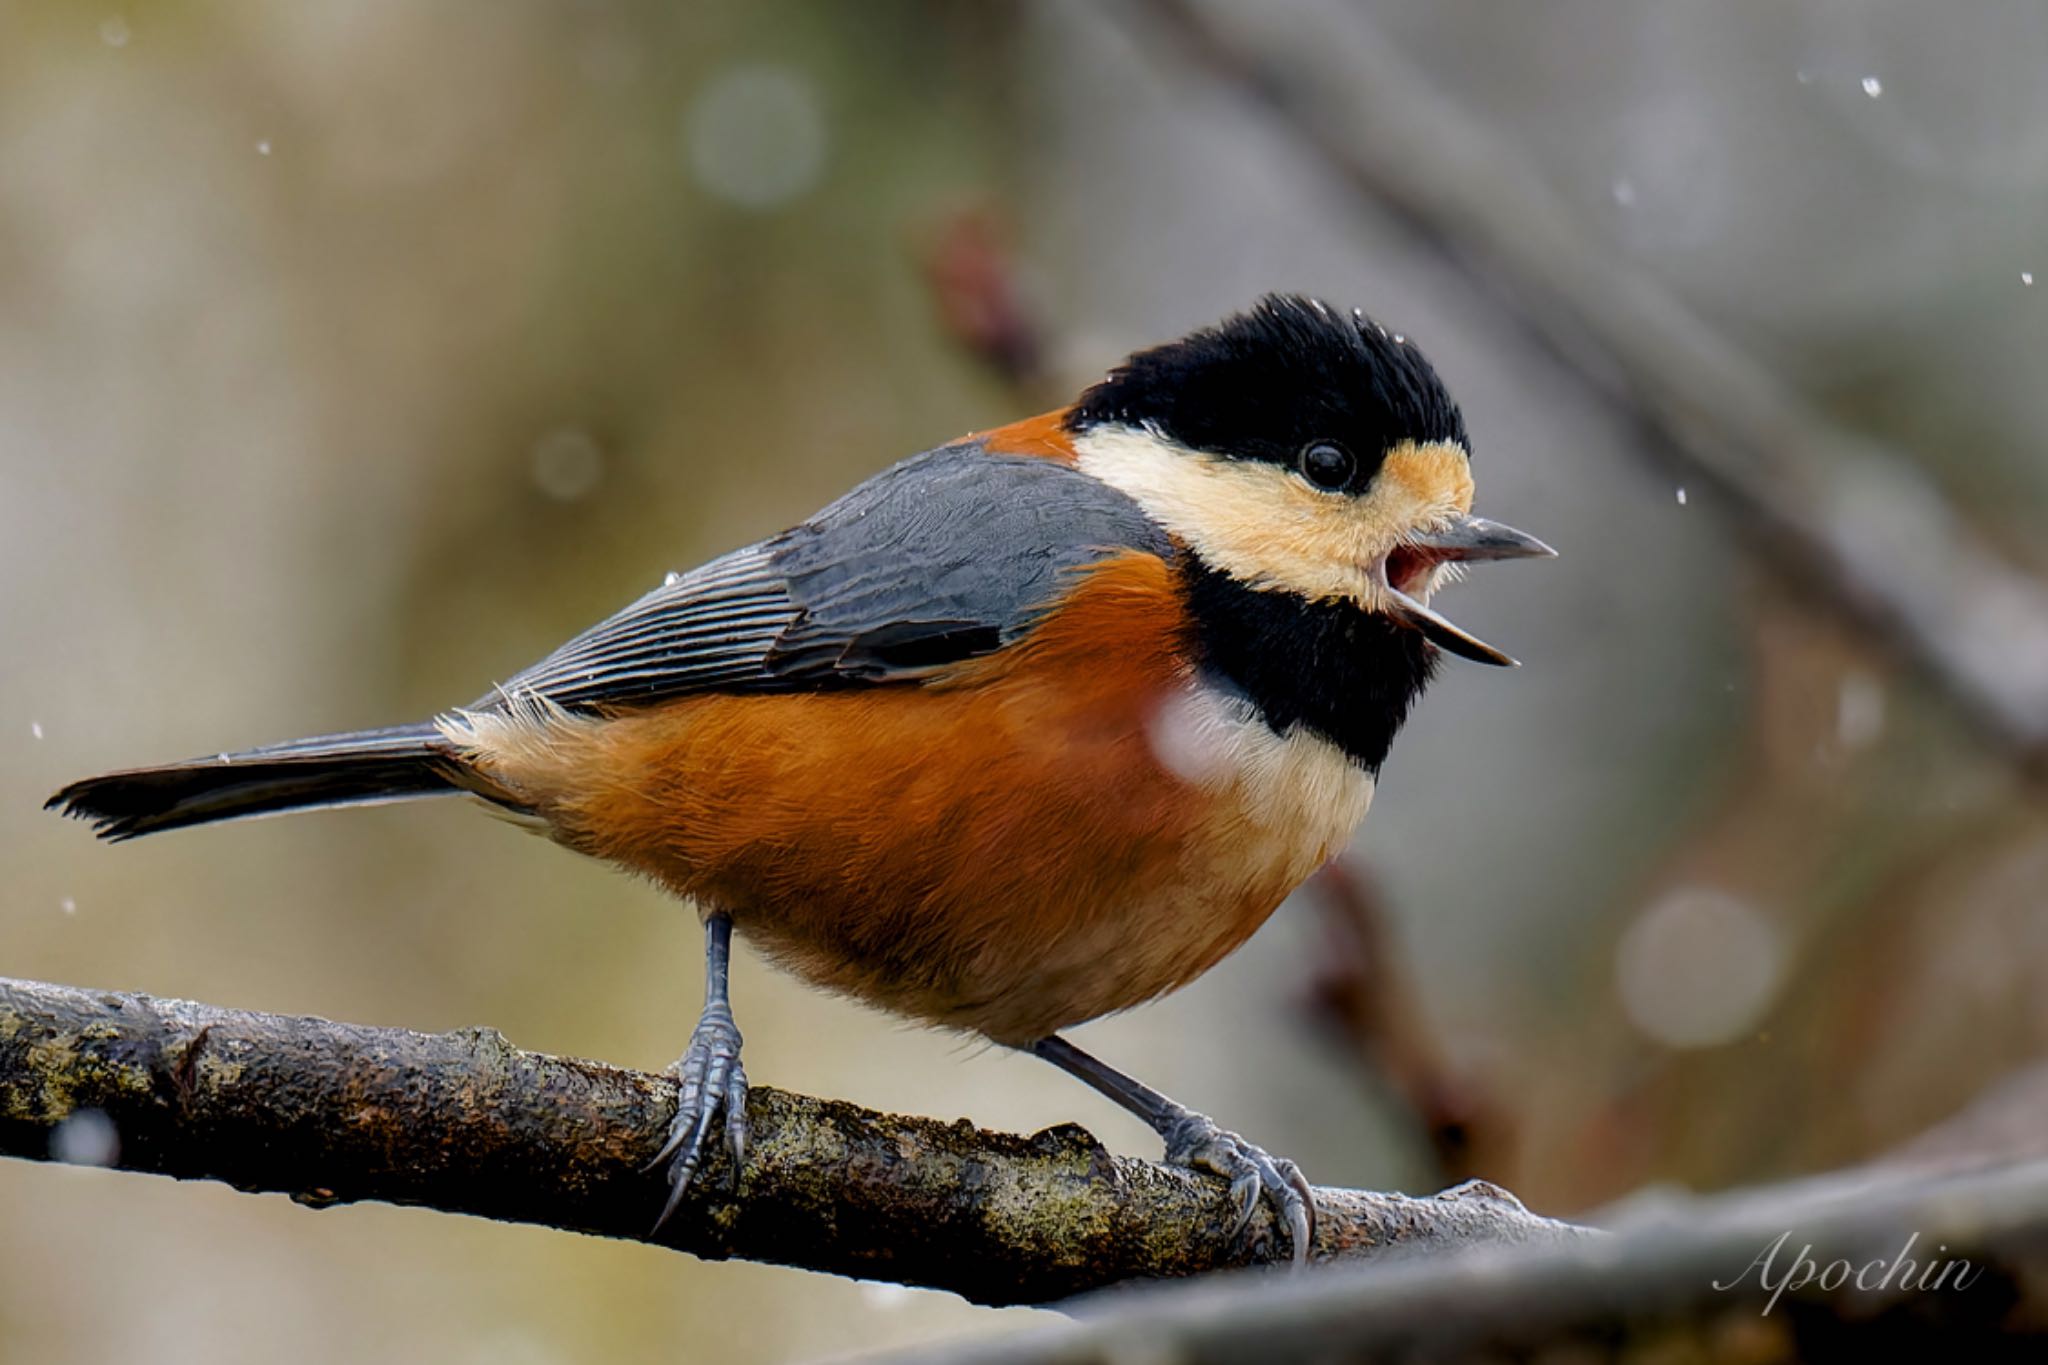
(1465, 540)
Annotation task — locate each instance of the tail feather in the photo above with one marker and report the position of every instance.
(396, 764)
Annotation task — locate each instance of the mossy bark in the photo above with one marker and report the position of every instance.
(464, 1122)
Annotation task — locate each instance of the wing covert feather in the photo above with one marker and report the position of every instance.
(943, 557)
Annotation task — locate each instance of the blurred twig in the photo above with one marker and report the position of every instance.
(973, 277)
(465, 1123)
(1362, 989)
(1952, 1267)
(2008, 1122)
(1835, 512)
(1677, 1281)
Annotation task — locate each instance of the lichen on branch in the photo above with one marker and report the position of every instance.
(464, 1122)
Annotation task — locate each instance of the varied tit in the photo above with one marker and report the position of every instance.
(1025, 730)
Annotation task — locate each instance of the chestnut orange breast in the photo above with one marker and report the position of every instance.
(1067, 827)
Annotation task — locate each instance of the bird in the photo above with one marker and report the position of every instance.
(1028, 729)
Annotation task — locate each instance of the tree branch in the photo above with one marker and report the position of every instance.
(1954, 1267)
(1950, 1233)
(465, 1123)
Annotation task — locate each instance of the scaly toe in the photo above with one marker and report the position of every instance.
(709, 1081)
(736, 1131)
(1197, 1143)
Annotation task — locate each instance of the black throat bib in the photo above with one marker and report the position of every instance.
(1342, 671)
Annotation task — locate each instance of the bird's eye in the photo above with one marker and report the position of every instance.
(1327, 465)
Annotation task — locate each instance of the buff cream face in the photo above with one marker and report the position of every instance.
(1266, 526)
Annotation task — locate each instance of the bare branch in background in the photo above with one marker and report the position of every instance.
(465, 1123)
(1833, 511)
(2008, 1123)
(1682, 1283)
(972, 273)
(1949, 1231)
(1362, 990)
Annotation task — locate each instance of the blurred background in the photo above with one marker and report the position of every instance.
(351, 356)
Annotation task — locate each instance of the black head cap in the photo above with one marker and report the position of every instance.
(1265, 384)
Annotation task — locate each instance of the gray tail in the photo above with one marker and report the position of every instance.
(396, 764)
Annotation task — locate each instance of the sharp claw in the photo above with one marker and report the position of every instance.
(676, 1190)
(709, 1079)
(688, 1093)
(668, 1149)
(1196, 1143)
(1306, 1231)
(1300, 1227)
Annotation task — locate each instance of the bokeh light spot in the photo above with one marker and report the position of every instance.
(1698, 967)
(756, 136)
(1859, 711)
(567, 464)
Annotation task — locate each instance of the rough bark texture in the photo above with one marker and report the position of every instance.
(466, 1123)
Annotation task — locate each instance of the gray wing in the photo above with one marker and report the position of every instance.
(948, 555)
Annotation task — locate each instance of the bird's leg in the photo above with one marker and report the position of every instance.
(1196, 1143)
(709, 1076)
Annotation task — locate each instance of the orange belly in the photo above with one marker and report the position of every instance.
(1014, 848)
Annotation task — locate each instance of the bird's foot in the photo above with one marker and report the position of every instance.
(710, 1080)
(1196, 1143)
